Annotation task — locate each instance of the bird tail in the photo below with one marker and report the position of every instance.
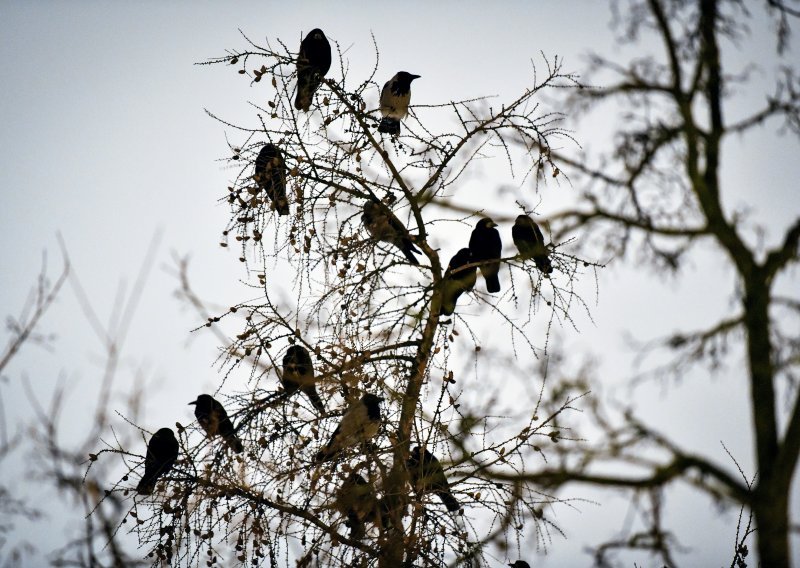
(448, 307)
(146, 486)
(313, 396)
(543, 264)
(408, 250)
(449, 501)
(492, 277)
(389, 126)
(234, 443)
(307, 84)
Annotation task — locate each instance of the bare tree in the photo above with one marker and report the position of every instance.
(336, 223)
(657, 192)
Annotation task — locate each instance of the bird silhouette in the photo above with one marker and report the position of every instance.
(395, 96)
(427, 475)
(298, 374)
(212, 417)
(313, 62)
(520, 564)
(530, 243)
(357, 501)
(270, 175)
(382, 225)
(456, 281)
(359, 424)
(162, 451)
(486, 245)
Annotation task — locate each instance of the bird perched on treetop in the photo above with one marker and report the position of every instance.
(298, 373)
(395, 96)
(530, 243)
(427, 475)
(359, 424)
(270, 175)
(356, 500)
(162, 451)
(486, 245)
(313, 62)
(382, 225)
(520, 564)
(212, 417)
(457, 281)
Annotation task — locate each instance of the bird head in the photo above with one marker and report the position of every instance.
(404, 79)
(486, 223)
(316, 34)
(202, 400)
(522, 220)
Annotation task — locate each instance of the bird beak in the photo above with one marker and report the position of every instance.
(415, 77)
(193, 402)
(492, 224)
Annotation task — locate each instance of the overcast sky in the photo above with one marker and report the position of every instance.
(105, 140)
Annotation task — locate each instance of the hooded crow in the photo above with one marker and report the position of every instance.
(395, 96)
(382, 225)
(457, 281)
(298, 374)
(530, 243)
(270, 175)
(486, 245)
(427, 475)
(359, 424)
(162, 451)
(313, 62)
(212, 417)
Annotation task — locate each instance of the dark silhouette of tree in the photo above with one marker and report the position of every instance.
(349, 266)
(657, 193)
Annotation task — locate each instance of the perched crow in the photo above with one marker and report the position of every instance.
(530, 243)
(485, 245)
(520, 564)
(298, 373)
(427, 475)
(270, 175)
(395, 96)
(212, 417)
(382, 225)
(359, 424)
(313, 61)
(457, 282)
(162, 451)
(356, 500)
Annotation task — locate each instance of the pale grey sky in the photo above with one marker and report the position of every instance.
(104, 139)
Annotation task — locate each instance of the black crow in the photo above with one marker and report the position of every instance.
(162, 451)
(456, 281)
(298, 374)
(313, 61)
(530, 243)
(520, 564)
(359, 424)
(485, 245)
(212, 417)
(270, 175)
(427, 475)
(382, 225)
(356, 500)
(395, 96)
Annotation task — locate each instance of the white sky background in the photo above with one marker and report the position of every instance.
(104, 139)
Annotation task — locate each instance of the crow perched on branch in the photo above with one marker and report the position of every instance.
(298, 374)
(359, 424)
(530, 243)
(270, 175)
(486, 245)
(382, 225)
(313, 62)
(356, 499)
(427, 475)
(212, 417)
(162, 451)
(456, 281)
(395, 96)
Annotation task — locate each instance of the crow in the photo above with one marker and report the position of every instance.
(162, 451)
(270, 175)
(313, 62)
(457, 281)
(485, 245)
(382, 225)
(356, 500)
(530, 243)
(427, 475)
(359, 424)
(298, 374)
(212, 417)
(395, 96)
(520, 564)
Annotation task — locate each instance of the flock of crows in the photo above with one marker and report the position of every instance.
(356, 499)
